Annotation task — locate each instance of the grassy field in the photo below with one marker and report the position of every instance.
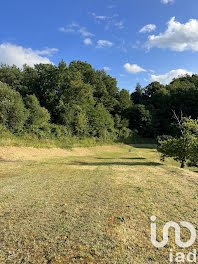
(91, 205)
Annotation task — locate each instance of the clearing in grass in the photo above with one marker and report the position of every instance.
(92, 205)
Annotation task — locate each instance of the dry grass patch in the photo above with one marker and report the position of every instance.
(90, 205)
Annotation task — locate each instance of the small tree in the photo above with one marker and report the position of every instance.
(12, 110)
(38, 116)
(181, 148)
(101, 123)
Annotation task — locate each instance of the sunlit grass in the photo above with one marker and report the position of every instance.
(90, 205)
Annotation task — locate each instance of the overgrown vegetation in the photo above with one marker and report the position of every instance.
(76, 101)
(58, 101)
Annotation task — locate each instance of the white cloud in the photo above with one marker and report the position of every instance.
(104, 43)
(75, 28)
(119, 25)
(87, 41)
(109, 21)
(167, 1)
(11, 54)
(168, 77)
(99, 17)
(106, 68)
(69, 28)
(178, 37)
(84, 32)
(66, 30)
(148, 28)
(114, 22)
(133, 68)
(47, 51)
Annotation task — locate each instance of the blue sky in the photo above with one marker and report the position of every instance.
(133, 40)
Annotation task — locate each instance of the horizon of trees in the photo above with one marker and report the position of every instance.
(77, 100)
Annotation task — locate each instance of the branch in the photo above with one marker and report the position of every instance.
(179, 121)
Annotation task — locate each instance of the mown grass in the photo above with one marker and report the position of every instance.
(91, 205)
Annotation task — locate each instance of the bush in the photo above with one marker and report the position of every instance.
(183, 148)
(124, 133)
(101, 123)
(58, 131)
(12, 110)
(38, 116)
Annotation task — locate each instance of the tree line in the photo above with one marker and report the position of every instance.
(77, 100)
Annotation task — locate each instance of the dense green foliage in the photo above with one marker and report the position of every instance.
(180, 95)
(63, 101)
(79, 101)
(12, 110)
(184, 147)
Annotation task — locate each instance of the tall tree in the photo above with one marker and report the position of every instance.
(136, 96)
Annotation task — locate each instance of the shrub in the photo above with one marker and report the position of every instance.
(12, 110)
(101, 123)
(38, 116)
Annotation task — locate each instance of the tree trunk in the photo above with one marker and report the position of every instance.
(182, 164)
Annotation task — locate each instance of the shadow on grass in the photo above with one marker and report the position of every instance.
(8, 161)
(134, 158)
(144, 146)
(121, 158)
(81, 163)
